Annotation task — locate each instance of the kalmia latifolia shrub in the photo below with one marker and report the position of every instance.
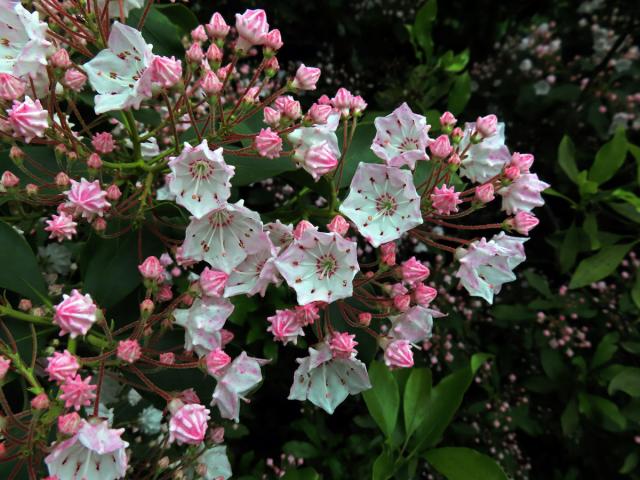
(111, 143)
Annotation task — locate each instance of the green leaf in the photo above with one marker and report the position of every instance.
(603, 409)
(458, 463)
(590, 226)
(553, 364)
(609, 158)
(570, 418)
(179, 15)
(567, 158)
(383, 398)
(459, 94)
(416, 394)
(359, 149)
(383, 466)
(19, 271)
(158, 31)
(307, 473)
(254, 169)
(300, 449)
(444, 401)
(421, 30)
(600, 265)
(630, 463)
(455, 63)
(569, 248)
(627, 381)
(635, 290)
(538, 282)
(635, 151)
(605, 350)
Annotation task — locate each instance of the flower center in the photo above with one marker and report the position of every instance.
(220, 218)
(326, 266)
(200, 169)
(386, 204)
(408, 144)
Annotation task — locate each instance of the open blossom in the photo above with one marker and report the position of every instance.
(398, 354)
(414, 325)
(225, 237)
(401, 137)
(414, 271)
(62, 366)
(382, 203)
(96, 450)
(285, 326)
(486, 265)
(203, 322)
(61, 227)
(342, 345)
(316, 148)
(325, 380)
(237, 380)
(28, 119)
(11, 88)
(306, 78)
(268, 143)
(25, 47)
(200, 179)
(129, 351)
(280, 234)
(75, 314)
(120, 73)
(255, 273)
(165, 71)
(445, 200)
(188, 425)
(523, 194)
(87, 198)
(319, 266)
(252, 29)
(77, 393)
(486, 159)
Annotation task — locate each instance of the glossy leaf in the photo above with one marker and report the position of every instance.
(609, 158)
(458, 463)
(600, 265)
(567, 158)
(383, 399)
(627, 381)
(416, 395)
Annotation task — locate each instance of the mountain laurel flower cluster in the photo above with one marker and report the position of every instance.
(134, 174)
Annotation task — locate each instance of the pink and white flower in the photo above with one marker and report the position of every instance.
(95, 452)
(398, 354)
(382, 203)
(268, 143)
(28, 119)
(165, 71)
(103, 142)
(62, 366)
(225, 237)
(306, 78)
(523, 194)
(188, 424)
(401, 138)
(75, 314)
(77, 392)
(217, 27)
(325, 380)
(280, 234)
(445, 200)
(129, 351)
(120, 73)
(316, 148)
(343, 345)
(319, 266)
(61, 227)
(486, 159)
(216, 360)
(87, 199)
(486, 265)
(252, 29)
(414, 325)
(285, 326)
(237, 380)
(255, 273)
(11, 88)
(200, 179)
(203, 322)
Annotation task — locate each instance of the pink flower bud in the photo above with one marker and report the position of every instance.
(342, 101)
(512, 172)
(61, 226)
(224, 72)
(268, 143)
(9, 180)
(213, 282)
(485, 193)
(445, 200)
(62, 179)
(447, 120)
(441, 146)
(60, 59)
(147, 306)
(306, 78)
(364, 318)
(487, 126)
(129, 351)
(25, 305)
(342, 345)
(414, 271)
(285, 326)
(226, 337)
(31, 189)
(252, 29)
(69, 424)
(151, 269)
(214, 54)
(75, 79)
(402, 302)
(217, 435)
(5, 364)
(113, 193)
(338, 225)
(103, 142)
(199, 34)
(164, 293)
(75, 314)
(301, 227)
(288, 107)
(28, 119)
(522, 161)
(454, 159)
(188, 424)
(94, 161)
(396, 289)
(216, 360)
(271, 116)
(271, 66)
(99, 224)
(62, 366)
(167, 71)
(307, 314)
(273, 40)
(11, 88)
(169, 358)
(16, 153)
(40, 402)
(358, 105)
(217, 27)
(523, 222)
(210, 83)
(195, 53)
(398, 354)
(320, 160)
(388, 253)
(457, 134)
(423, 295)
(319, 114)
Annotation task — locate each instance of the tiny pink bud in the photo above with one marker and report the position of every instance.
(441, 146)
(210, 83)
(338, 225)
(75, 79)
(217, 27)
(103, 142)
(166, 71)
(512, 172)
(5, 363)
(16, 153)
(213, 282)
(9, 180)
(402, 302)
(301, 227)
(423, 295)
(523, 222)
(364, 318)
(40, 402)
(319, 114)
(99, 224)
(216, 360)
(61, 59)
(25, 305)
(388, 253)
(214, 54)
(268, 143)
(151, 269)
(113, 192)
(414, 271)
(358, 105)
(129, 351)
(306, 78)
(199, 34)
(485, 193)
(195, 53)
(522, 161)
(147, 306)
(273, 40)
(70, 423)
(94, 161)
(342, 345)
(398, 354)
(168, 357)
(271, 116)
(62, 179)
(448, 120)
(487, 126)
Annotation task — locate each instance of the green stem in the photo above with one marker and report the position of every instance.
(130, 122)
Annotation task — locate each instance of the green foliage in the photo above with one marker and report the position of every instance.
(463, 463)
